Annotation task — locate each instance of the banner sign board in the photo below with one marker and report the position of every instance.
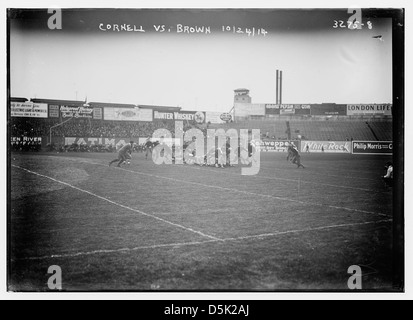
(287, 109)
(116, 142)
(28, 109)
(328, 109)
(97, 113)
(127, 114)
(217, 117)
(372, 147)
(276, 146)
(24, 140)
(272, 109)
(249, 109)
(369, 109)
(76, 112)
(197, 116)
(53, 111)
(98, 141)
(287, 112)
(326, 146)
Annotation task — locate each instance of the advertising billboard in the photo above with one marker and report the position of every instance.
(369, 109)
(197, 116)
(24, 140)
(328, 109)
(277, 146)
(249, 109)
(76, 112)
(272, 108)
(326, 146)
(217, 117)
(28, 109)
(372, 147)
(97, 113)
(53, 111)
(287, 109)
(127, 114)
(116, 142)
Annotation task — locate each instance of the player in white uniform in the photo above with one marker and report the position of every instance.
(388, 177)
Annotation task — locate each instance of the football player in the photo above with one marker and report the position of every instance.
(295, 155)
(124, 154)
(148, 147)
(388, 177)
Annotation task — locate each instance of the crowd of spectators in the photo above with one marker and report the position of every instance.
(24, 127)
(26, 146)
(75, 147)
(30, 127)
(87, 128)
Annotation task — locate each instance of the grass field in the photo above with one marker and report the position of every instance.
(146, 227)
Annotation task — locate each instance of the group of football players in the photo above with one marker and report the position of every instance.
(218, 157)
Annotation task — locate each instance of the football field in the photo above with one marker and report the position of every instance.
(148, 227)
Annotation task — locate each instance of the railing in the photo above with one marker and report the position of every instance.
(275, 118)
(57, 125)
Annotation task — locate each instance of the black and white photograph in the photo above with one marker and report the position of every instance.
(205, 149)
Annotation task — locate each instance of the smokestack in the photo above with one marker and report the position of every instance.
(278, 93)
(281, 86)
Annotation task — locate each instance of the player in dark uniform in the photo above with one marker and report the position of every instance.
(228, 153)
(251, 148)
(295, 155)
(291, 154)
(148, 147)
(123, 154)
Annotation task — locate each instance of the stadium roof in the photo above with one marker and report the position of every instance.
(56, 101)
(16, 99)
(108, 104)
(161, 108)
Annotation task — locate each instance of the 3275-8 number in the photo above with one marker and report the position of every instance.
(342, 24)
(339, 24)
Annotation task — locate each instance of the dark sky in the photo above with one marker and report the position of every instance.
(87, 20)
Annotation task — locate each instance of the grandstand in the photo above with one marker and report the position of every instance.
(383, 129)
(323, 130)
(55, 120)
(340, 130)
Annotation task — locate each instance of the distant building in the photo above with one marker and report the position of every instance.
(242, 96)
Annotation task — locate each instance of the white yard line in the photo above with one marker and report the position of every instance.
(119, 205)
(231, 189)
(248, 192)
(88, 253)
(181, 244)
(305, 230)
(322, 172)
(212, 238)
(283, 179)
